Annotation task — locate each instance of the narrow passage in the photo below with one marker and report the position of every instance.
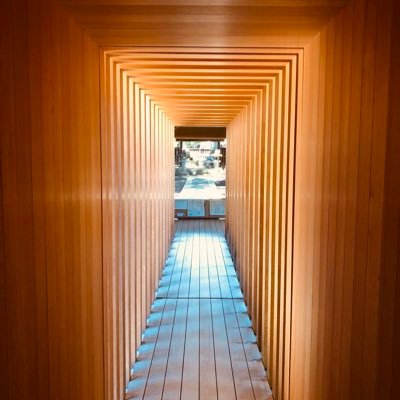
(199, 343)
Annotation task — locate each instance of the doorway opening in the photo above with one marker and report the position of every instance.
(200, 177)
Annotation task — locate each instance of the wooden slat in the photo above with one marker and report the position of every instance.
(190, 104)
(135, 160)
(159, 359)
(332, 210)
(51, 206)
(190, 385)
(208, 377)
(173, 375)
(223, 363)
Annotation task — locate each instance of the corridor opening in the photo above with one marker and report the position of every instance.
(251, 95)
(200, 178)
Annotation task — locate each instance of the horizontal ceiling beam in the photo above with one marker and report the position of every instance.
(199, 133)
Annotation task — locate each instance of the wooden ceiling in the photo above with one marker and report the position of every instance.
(202, 22)
(203, 61)
(204, 88)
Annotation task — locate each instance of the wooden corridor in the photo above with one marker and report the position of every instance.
(199, 342)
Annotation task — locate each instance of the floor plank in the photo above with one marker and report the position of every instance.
(173, 376)
(208, 377)
(223, 364)
(199, 342)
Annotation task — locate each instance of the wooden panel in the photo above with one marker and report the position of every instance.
(389, 312)
(199, 133)
(338, 259)
(184, 75)
(260, 176)
(51, 199)
(137, 172)
(204, 23)
(339, 210)
(53, 217)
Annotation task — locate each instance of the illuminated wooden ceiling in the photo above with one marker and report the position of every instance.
(205, 88)
(203, 61)
(202, 22)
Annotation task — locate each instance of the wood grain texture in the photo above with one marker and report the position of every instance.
(137, 173)
(388, 356)
(51, 199)
(53, 217)
(260, 173)
(205, 23)
(199, 342)
(309, 93)
(339, 208)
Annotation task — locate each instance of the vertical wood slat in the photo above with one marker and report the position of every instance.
(339, 212)
(389, 313)
(344, 204)
(52, 259)
(138, 178)
(17, 210)
(260, 155)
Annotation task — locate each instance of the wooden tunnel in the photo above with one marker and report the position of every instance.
(92, 90)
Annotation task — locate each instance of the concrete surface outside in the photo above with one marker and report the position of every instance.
(202, 195)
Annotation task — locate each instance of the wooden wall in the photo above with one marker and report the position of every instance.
(341, 330)
(260, 171)
(339, 245)
(55, 231)
(138, 209)
(389, 296)
(51, 280)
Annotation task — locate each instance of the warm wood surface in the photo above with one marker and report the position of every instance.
(321, 301)
(202, 88)
(319, 269)
(202, 23)
(199, 342)
(51, 302)
(66, 212)
(338, 224)
(388, 344)
(260, 175)
(200, 133)
(138, 191)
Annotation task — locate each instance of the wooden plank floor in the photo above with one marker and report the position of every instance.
(199, 343)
